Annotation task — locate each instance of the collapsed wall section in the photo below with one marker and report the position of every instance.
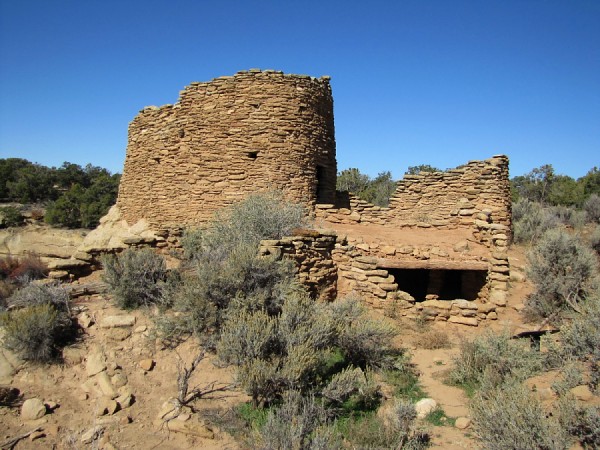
(227, 138)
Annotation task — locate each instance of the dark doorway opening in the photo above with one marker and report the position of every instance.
(446, 284)
(321, 185)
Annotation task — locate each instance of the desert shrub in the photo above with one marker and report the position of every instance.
(275, 353)
(135, 277)
(564, 272)
(570, 376)
(433, 339)
(595, 239)
(510, 417)
(222, 267)
(580, 337)
(581, 422)
(22, 270)
(364, 342)
(34, 294)
(7, 265)
(35, 332)
(568, 216)
(243, 224)
(531, 220)
(39, 323)
(492, 358)
(11, 217)
(397, 431)
(299, 423)
(592, 208)
(29, 268)
(352, 390)
(205, 293)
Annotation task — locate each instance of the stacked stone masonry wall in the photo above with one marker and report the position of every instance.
(312, 253)
(228, 138)
(476, 195)
(363, 269)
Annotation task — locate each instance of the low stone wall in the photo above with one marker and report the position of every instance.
(311, 251)
(367, 271)
(476, 195)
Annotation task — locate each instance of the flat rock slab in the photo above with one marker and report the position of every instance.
(117, 321)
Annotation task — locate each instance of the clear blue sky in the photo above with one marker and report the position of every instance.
(435, 82)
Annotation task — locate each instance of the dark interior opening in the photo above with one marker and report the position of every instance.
(252, 155)
(446, 284)
(321, 195)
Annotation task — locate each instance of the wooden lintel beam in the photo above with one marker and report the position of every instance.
(431, 264)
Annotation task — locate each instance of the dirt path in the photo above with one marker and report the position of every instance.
(433, 365)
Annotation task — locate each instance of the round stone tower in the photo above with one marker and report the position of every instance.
(228, 138)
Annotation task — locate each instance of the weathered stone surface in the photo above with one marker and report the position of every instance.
(146, 364)
(106, 386)
(117, 321)
(471, 321)
(498, 297)
(96, 363)
(33, 409)
(225, 139)
(92, 434)
(106, 406)
(425, 406)
(462, 423)
(191, 427)
(44, 241)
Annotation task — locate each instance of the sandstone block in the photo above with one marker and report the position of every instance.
(117, 321)
(471, 321)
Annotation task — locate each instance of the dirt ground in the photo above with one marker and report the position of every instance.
(136, 363)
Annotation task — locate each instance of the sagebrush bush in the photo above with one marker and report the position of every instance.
(274, 353)
(511, 417)
(222, 267)
(493, 358)
(568, 216)
(36, 333)
(364, 342)
(580, 337)
(299, 423)
(595, 240)
(206, 293)
(34, 294)
(531, 220)
(581, 422)
(592, 208)
(399, 431)
(352, 389)
(564, 272)
(135, 277)
(243, 224)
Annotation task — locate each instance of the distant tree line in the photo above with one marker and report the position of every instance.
(376, 190)
(74, 196)
(545, 186)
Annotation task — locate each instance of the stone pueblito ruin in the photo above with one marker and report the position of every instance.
(265, 130)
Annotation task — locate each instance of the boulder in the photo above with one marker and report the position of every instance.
(425, 406)
(33, 409)
(462, 423)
